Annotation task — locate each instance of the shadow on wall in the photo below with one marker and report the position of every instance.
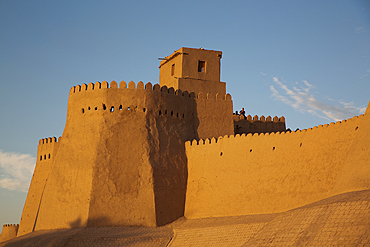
(170, 165)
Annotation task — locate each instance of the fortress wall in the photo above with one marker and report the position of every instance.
(266, 173)
(9, 231)
(355, 173)
(215, 115)
(86, 160)
(46, 151)
(199, 85)
(257, 124)
(118, 162)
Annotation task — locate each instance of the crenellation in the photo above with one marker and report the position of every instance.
(104, 84)
(140, 85)
(156, 87)
(122, 85)
(97, 85)
(90, 86)
(210, 96)
(113, 85)
(283, 133)
(149, 86)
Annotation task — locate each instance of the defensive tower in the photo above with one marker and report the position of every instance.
(193, 70)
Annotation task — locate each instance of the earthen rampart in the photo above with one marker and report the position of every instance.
(267, 172)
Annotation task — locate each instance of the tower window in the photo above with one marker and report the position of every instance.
(201, 66)
(173, 70)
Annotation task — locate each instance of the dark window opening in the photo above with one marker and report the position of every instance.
(120, 107)
(45, 157)
(201, 66)
(171, 113)
(144, 109)
(41, 157)
(83, 110)
(104, 107)
(173, 70)
(96, 108)
(49, 156)
(112, 109)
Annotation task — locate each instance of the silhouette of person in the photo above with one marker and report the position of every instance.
(242, 112)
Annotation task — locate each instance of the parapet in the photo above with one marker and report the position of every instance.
(257, 124)
(47, 148)
(48, 140)
(9, 231)
(148, 86)
(353, 121)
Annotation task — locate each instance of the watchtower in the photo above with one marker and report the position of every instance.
(193, 70)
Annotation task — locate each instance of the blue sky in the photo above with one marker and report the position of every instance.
(308, 61)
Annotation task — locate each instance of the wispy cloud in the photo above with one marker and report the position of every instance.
(360, 30)
(364, 75)
(303, 100)
(16, 170)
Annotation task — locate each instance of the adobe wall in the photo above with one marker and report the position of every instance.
(214, 113)
(355, 173)
(245, 125)
(268, 173)
(121, 159)
(46, 151)
(180, 71)
(204, 86)
(9, 231)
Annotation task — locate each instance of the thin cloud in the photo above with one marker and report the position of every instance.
(16, 170)
(360, 30)
(302, 100)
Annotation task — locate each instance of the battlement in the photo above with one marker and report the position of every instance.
(47, 148)
(218, 140)
(48, 140)
(249, 124)
(9, 231)
(261, 118)
(148, 86)
(10, 225)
